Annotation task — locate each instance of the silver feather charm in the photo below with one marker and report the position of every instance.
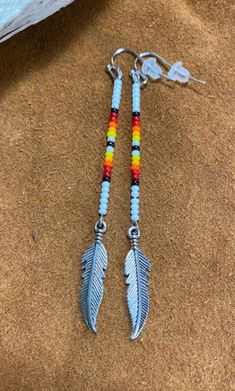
(94, 264)
(137, 268)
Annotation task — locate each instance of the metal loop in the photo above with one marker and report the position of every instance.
(100, 226)
(114, 72)
(138, 76)
(134, 231)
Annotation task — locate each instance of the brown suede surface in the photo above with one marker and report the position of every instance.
(54, 107)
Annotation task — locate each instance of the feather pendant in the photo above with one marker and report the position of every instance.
(94, 264)
(137, 268)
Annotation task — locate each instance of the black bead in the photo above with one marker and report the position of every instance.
(106, 179)
(135, 147)
(110, 144)
(114, 110)
(135, 182)
(136, 114)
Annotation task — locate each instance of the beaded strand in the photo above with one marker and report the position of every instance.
(135, 154)
(110, 147)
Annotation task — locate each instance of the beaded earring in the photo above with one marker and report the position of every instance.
(95, 259)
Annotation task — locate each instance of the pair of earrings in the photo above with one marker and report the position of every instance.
(95, 260)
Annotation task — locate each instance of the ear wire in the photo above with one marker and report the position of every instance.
(176, 71)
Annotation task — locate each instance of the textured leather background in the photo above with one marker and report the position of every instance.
(55, 101)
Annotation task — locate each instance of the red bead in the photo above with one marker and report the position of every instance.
(114, 114)
(135, 177)
(135, 174)
(113, 117)
(136, 121)
(107, 171)
(107, 167)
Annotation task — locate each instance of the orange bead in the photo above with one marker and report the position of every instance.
(135, 167)
(113, 124)
(134, 128)
(108, 162)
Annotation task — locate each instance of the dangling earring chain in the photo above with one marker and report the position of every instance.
(95, 259)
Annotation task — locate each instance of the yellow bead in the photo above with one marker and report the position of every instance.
(112, 128)
(111, 133)
(136, 137)
(109, 155)
(136, 159)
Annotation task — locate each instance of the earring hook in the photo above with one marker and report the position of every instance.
(114, 71)
(121, 51)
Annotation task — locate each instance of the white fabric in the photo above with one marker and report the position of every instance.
(16, 15)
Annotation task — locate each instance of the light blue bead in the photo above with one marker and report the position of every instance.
(135, 187)
(102, 211)
(135, 153)
(135, 201)
(134, 194)
(103, 205)
(135, 207)
(111, 139)
(134, 217)
(118, 83)
(109, 149)
(115, 104)
(104, 198)
(134, 210)
(104, 193)
(136, 143)
(135, 213)
(135, 191)
(104, 190)
(105, 185)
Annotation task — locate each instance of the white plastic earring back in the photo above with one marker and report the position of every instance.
(178, 73)
(151, 69)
